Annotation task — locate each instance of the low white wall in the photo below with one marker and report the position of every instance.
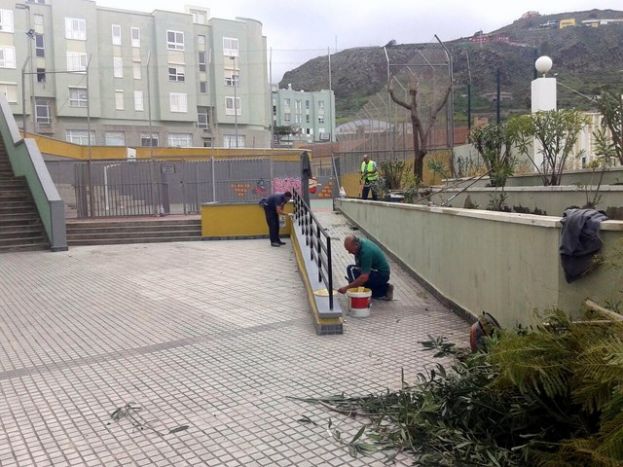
(506, 264)
(551, 199)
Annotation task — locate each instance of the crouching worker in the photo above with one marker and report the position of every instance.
(371, 269)
(273, 208)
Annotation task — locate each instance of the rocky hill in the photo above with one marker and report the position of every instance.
(586, 59)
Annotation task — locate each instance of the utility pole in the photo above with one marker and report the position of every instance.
(330, 98)
(155, 199)
(31, 36)
(236, 79)
(90, 155)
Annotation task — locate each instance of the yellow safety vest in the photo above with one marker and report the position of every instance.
(365, 171)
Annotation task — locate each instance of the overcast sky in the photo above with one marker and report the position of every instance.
(298, 31)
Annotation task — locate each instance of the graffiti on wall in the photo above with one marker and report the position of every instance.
(281, 185)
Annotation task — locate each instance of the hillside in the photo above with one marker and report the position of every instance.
(587, 59)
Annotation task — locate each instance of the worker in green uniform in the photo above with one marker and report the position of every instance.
(370, 270)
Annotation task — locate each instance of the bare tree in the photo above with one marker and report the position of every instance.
(420, 130)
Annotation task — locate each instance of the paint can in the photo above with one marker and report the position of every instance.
(360, 300)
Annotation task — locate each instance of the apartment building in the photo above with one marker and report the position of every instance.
(88, 74)
(309, 116)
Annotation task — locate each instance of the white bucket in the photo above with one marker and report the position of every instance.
(360, 301)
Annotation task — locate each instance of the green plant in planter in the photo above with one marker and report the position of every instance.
(555, 133)
(392, 172)
(610, 143)
(494, 143)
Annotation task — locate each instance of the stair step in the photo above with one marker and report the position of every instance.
(26, 208)
(20, 234)
(117, 234)
(118, 241)
(24, 247)
(6, 242)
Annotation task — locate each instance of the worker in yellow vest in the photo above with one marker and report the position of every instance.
(369, 177)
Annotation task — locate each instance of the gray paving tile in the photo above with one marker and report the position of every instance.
(213, 335)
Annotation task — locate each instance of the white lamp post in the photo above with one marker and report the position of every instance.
(543, 88)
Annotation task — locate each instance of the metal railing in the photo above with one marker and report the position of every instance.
(318, 241)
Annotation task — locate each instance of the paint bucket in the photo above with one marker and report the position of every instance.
(360, 301)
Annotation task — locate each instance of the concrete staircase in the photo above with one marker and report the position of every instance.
(20, 225)
(148, 230)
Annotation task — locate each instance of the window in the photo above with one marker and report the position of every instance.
(321, 119)
(117, 67)
(203, 117)
(10, 91)
(7, 57)
(6, 20)
(207, 142)
(297, 118)
(182, 140)
(230, 141)
(201, 42)
(286, 103)
(39, 47)
(147, 141)
(287, 117)
(135, 37)
(41, 75)
(79, 136)
(176, 73)
(136, 70)
(232, 78)
(138, 101)
(78, 97)
(76, 28)
(306, 104)
(38, 20)
(321, 105)
(229, 105)
(175, 40)
(136, 55)
(119, 104)
(297, 106)
(307, 119)
(199, 16)
(42, 112)
(40, 2)
(202, 61)
(178, 102)
(114, 138)
(116, 34)
(203, 86)
(76, 61)
(230, 47)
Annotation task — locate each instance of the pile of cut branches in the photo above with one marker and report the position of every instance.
(551, 395)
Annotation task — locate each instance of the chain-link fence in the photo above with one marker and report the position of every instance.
(420, 82)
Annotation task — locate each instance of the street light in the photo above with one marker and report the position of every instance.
(31, 35)
(235, 79)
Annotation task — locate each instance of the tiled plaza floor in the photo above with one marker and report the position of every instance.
(212, 335)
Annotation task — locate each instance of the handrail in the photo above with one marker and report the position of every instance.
(319, 242)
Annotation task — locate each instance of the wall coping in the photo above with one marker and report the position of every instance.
(544, 189)
(551, 222)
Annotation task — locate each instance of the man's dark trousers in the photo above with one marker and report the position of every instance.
(272, 219)
(377, 282)
(366, 190)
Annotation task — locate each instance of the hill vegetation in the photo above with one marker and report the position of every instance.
(586, 59)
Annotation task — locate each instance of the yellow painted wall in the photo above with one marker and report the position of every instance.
(55, 147)
(237, 220)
